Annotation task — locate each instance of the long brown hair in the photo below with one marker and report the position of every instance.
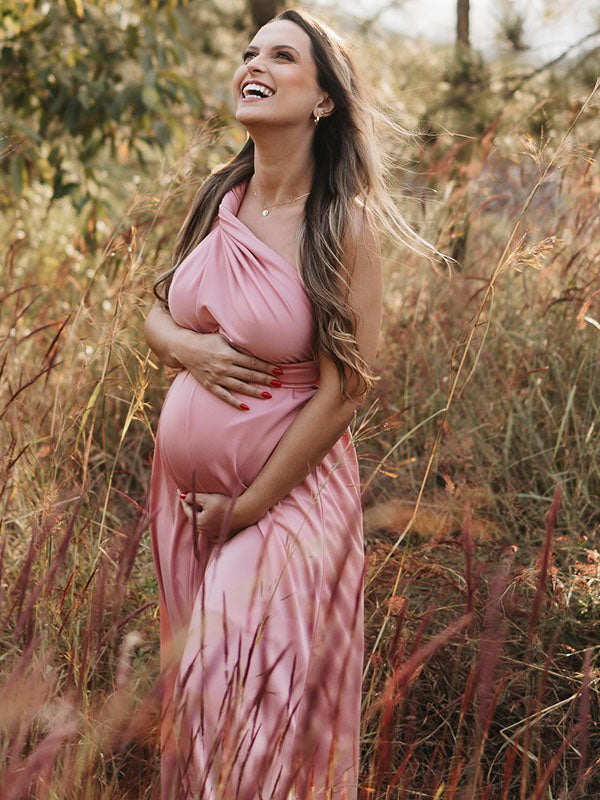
(350, 173)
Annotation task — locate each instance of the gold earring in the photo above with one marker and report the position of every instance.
(316, 119)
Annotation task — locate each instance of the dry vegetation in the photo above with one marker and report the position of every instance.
(480, 458)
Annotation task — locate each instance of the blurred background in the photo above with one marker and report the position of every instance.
(540, 29)
(479, 448)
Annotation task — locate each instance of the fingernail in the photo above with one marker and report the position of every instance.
(244, 406)
(275, 382)
(266, 394)
(183, 495)
(277, 371)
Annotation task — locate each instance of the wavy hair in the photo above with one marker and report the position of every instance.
(351, 168)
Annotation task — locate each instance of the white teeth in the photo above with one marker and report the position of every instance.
(265, 91)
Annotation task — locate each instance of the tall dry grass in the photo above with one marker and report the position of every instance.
(481, 478)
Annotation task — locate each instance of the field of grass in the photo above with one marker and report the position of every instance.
(479, 454)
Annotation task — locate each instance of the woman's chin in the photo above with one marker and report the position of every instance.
(250, 116)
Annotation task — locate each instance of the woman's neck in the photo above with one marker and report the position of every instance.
(283, 167)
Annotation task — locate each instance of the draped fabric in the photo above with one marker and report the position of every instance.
(261, 638)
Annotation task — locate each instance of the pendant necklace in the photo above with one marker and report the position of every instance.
(265, 209)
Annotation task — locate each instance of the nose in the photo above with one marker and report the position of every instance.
(254, 65)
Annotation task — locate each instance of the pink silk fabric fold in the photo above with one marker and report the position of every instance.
(261, 638)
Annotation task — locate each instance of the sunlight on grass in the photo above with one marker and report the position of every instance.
(479, 454)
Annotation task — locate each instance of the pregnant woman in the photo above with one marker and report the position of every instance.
(272, 310)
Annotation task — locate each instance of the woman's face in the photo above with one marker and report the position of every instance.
(278, 59)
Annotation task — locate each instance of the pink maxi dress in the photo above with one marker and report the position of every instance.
(261, 638)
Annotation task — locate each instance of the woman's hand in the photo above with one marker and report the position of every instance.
(214, 363)
(221, 368)
(213, 516)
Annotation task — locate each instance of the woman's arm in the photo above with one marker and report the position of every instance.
(322, 421)
(165, 337)
(212, 361)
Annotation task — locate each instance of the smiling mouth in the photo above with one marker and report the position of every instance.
(254, 91)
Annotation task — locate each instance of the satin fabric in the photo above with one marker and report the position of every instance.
(262, 637)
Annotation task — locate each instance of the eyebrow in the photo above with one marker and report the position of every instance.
(274, 47)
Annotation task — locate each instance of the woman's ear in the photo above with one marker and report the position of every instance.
(324, 107)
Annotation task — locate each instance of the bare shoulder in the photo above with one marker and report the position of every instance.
(362, 251)
(361, 240)
(364, 295)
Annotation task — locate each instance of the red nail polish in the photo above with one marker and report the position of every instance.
(277, 371)
(275, 382)
(183, 495)
(244, 406)
(266, 394)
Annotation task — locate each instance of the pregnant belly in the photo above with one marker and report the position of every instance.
(210, 446)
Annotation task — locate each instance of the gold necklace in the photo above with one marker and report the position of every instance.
(265, 209)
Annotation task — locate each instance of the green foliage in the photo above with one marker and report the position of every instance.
(80, 82)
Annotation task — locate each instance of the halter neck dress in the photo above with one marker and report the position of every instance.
(262, 638)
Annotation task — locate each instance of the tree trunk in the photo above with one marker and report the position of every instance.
(462, 22)
(262, 11)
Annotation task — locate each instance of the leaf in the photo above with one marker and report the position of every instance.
(585, 307)
(17, 173)
(71, 114)
(150, 97)
(64, 189)
(75, 8)
(90, 405)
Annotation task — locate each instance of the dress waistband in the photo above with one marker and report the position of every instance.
(296, 374)
(300, 374)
